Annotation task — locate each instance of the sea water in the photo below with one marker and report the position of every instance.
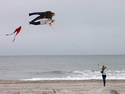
(68, 67)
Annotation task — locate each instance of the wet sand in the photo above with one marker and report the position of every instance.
(62, 87)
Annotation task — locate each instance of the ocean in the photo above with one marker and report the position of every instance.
(67, 67)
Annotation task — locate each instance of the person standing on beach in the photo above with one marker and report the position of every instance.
(104, 71)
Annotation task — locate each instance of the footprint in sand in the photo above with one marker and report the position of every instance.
(114, 92)
(103, 91)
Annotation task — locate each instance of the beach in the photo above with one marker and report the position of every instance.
(61, 87)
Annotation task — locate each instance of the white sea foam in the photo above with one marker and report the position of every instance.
(84, 75)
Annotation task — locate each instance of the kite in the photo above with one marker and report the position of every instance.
(15, 33)
(42, 15)
(43, 18)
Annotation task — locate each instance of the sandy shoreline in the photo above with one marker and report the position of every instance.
(62, 87)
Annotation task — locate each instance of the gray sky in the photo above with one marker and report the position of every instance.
(83, 27)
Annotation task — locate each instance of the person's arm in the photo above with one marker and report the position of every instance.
(105, 71)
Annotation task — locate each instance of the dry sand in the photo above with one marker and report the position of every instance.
(62, 87)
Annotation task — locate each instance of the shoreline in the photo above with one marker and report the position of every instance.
(57, 81)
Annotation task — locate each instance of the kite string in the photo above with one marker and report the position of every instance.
(52, 29)
(24, 24)
(25, 21)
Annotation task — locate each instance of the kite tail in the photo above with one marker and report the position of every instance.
(14, 38)
(9, 34)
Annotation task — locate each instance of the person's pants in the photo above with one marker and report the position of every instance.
(104, 79)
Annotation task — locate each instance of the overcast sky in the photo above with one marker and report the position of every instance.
(83, 27)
